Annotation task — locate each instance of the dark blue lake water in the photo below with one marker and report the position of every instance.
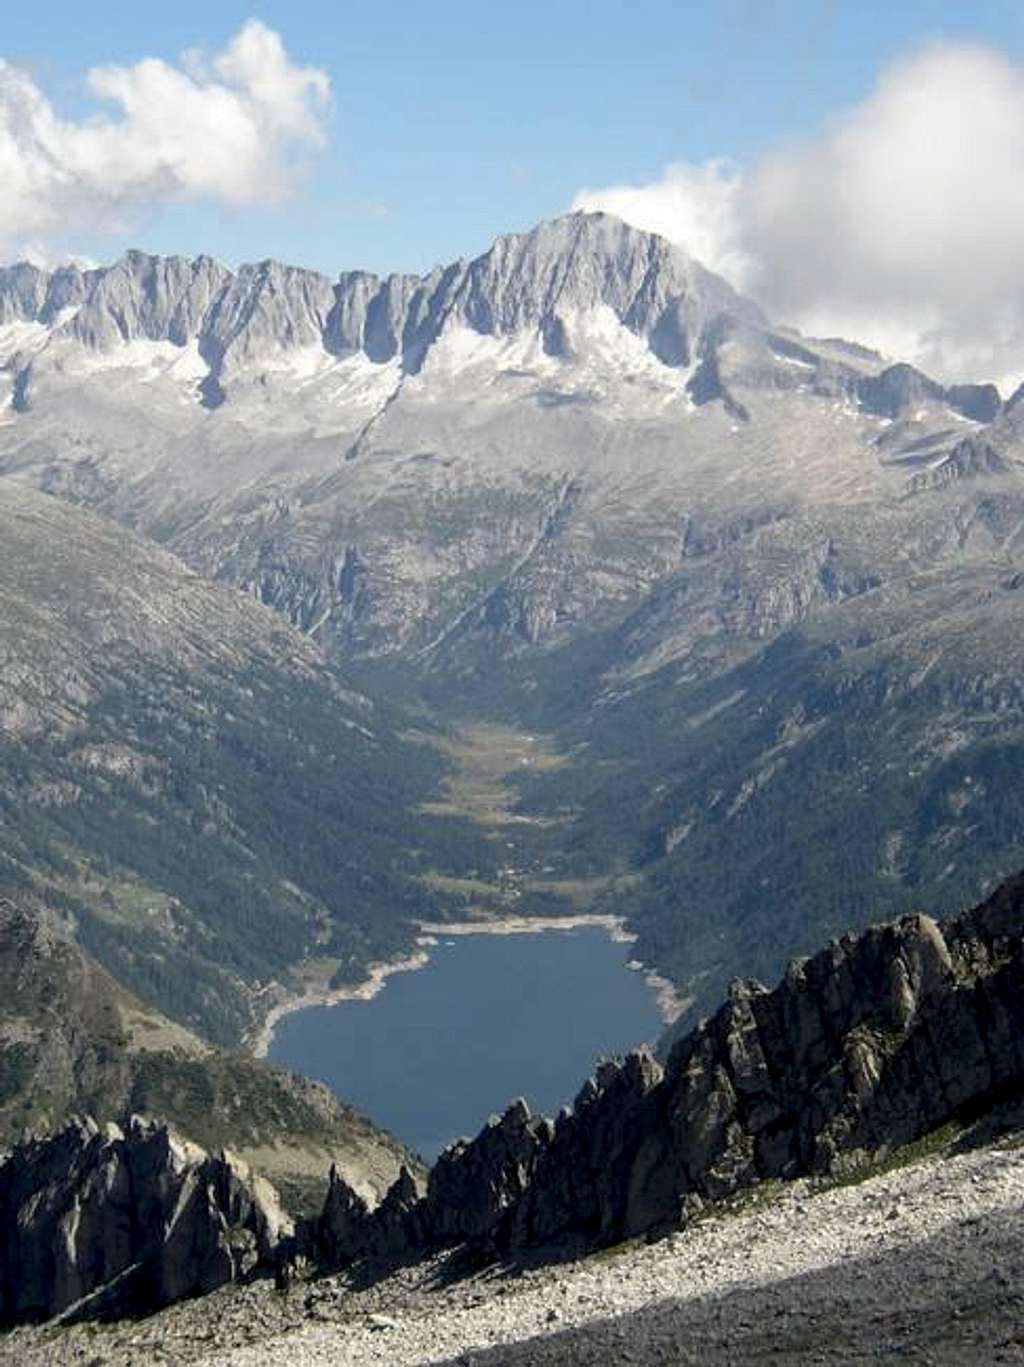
(490, 1018)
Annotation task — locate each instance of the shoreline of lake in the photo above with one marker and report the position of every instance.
(666, 998)
(532, 925)
(376, 976)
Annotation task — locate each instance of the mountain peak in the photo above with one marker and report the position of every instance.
(584, 261)
(540, 281)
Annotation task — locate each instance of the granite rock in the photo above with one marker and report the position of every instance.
(119, 1221)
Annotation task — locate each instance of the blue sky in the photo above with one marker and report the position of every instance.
(452, 122)
(856, 167)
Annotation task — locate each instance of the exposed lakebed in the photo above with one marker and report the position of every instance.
(490, 1017)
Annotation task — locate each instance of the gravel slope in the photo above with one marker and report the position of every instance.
(923, 1264)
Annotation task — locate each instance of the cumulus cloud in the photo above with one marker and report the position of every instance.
(694, 205)
(225, 128)
(901, 225)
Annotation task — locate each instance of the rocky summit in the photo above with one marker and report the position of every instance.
(580, 411)
(237, 321)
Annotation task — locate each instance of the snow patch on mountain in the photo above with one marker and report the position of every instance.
(149, 361)
(602, 361)
(28, 338)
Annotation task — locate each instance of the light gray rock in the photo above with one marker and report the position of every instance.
(262, 311)
(23, 290)
(537, 280)
(148, 298)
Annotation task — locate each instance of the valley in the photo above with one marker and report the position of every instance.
(483, 756)
(490, 762)
(527, 986)
(578, 489)
(505, 616)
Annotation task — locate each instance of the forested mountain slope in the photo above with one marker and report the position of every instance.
(74, 1042)
(185, 780)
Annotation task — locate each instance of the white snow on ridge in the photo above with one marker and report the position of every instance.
(357, 379)
(345, 377)
(602, 354)
(23, 337)
(318, 392)
(65, 316)
(301, 363)
(31, 337)
(149, 360)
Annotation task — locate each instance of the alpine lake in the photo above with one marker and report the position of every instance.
(489, 1017)
(506, 1011)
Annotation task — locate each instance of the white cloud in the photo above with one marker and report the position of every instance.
(694, 205)
(901, 225)
(226, 128)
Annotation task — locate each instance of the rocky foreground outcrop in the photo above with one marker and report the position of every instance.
(125, 1221)
(874, 1042)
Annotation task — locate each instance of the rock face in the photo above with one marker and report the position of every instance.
(872, 1043)
(539, 279)
(900, 388)
(125, 1221)
(347, 1229)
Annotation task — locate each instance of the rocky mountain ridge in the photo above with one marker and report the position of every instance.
(537, 439)
(876, 1041)
(236, 320)
(543, 281)
(871, 1044)
(914, 1260)
(507, 454)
